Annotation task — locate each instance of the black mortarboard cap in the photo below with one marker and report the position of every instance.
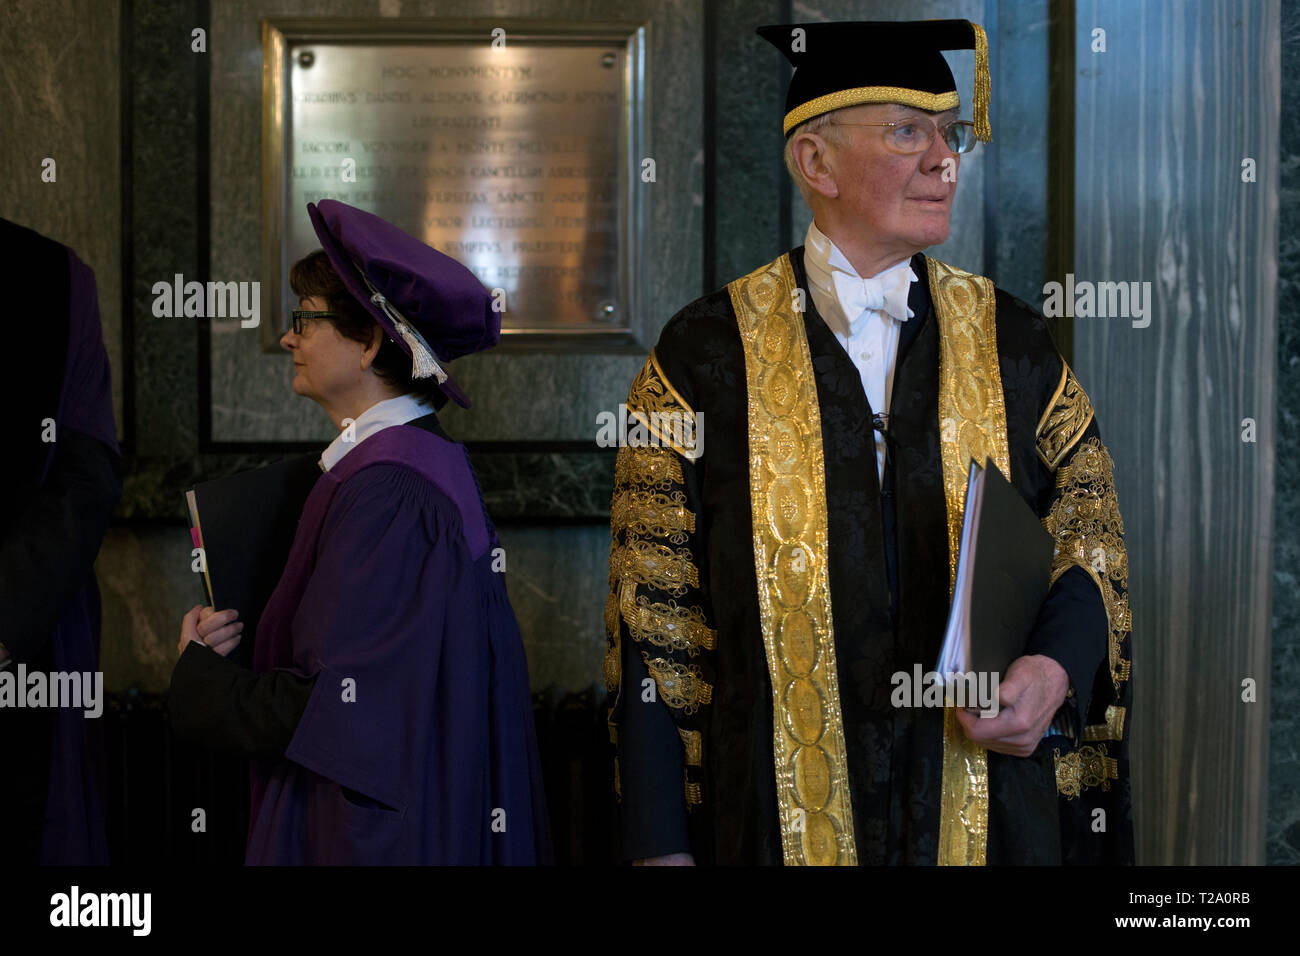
(879, 61)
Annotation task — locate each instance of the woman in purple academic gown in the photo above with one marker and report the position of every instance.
(388, 712)
(61, 480)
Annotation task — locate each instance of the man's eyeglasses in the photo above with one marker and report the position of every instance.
(915, 135)
(300, 314)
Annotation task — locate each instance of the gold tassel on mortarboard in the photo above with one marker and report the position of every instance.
(983, 88)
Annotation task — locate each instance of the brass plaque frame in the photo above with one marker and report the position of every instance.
(625, 331)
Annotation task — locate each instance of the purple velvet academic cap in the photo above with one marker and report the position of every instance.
(427, 302)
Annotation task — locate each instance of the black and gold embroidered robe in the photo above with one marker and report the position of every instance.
(842, 582)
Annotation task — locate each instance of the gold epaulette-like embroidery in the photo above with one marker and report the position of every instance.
(612, 665)
(652, 512)
(648, 466)
(654, 403)
(692, 790)
(652, 566)
(680, 686)
(1089, 533)
(1087, 767)
(665, 624)
(1112, 729)
(655, 565)
(692, 745)
(1065, 420)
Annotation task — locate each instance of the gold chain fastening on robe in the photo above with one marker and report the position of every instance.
(787, 482)
(972, 425)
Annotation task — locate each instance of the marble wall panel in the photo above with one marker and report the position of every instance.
(59, 97)
(557, 578)
(1165, 116)
(518, 397)
(1284, 719)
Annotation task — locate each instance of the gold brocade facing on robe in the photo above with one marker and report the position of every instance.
(788, 502)
(972, 425)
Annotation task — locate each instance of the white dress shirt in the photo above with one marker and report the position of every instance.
(381, 415)
(865, 315)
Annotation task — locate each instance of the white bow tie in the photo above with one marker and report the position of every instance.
(884, 293)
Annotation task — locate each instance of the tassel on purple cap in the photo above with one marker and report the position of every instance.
(432, 306)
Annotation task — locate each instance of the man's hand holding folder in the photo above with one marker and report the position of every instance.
(1030, 694)
(1001, 582)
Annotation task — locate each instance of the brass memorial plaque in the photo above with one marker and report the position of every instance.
(515, 149)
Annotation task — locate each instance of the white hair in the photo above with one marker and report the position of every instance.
(818, 124)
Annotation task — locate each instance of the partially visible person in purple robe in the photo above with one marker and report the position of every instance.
(388, 712)
(60, 483)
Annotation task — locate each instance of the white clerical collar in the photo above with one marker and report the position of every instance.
(381, 415)
(822, 259)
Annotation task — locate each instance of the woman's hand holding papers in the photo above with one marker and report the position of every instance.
(217, 629)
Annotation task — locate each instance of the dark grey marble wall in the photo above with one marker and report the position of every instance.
(1017, 189)
(165, 235)
(1183, 93)
(1284, 721)
(743, 224)
(517, 397)
(1198, 501)
(59, 100)
(556, 578)
(551, 505)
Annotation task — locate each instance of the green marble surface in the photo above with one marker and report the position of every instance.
(557, 578)
(1284, 727)
(60, 60)
(518, 397)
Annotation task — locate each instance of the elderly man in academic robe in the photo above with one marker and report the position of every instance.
(763, 593)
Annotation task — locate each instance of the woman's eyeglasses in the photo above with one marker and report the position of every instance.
(300, 314)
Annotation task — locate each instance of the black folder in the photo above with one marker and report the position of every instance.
(245, 524)
(1002, 577)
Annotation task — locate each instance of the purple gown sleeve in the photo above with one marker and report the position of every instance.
(87, 404)
(215, 702)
